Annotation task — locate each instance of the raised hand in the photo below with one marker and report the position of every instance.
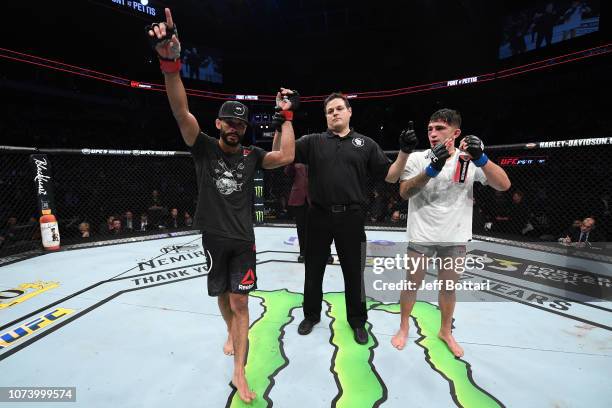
(164, 38)
(408, 139)
(287, 99)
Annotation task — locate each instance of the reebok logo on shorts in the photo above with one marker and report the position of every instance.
(247, 281)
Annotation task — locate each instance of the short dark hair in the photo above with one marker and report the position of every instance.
(448, 116)
(336, 95)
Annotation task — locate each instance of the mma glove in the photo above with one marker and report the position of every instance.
(173, 62)
(408, 139)
(282, 115)
(438, 155)
(475, 148)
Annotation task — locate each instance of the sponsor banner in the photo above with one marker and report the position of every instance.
(177, 256)
(168, 276)
(15, 336)
(151, 9)
(23, 292)
(180, 248)
(116, 152)
(258, 200)
(597, 141)
(41, 168)
(462, 81)
(573, 280)
(517, 161)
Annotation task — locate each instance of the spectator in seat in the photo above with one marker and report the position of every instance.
(116, 228)
(107, 227)
(585, 233)
(84, 230)
(174, 222)
(144, 223)
(518, 214)
(187, 219)
(128, 222)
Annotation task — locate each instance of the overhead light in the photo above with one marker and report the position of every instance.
(144, 2)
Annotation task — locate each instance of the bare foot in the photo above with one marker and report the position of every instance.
(245, 394)
(399, 340)
(228, 347)
(452, 344)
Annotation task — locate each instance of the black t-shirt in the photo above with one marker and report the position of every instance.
(339, 166)
(225, 188)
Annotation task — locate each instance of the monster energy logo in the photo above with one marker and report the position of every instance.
(359, 384)
(258, 191)
(259, 216)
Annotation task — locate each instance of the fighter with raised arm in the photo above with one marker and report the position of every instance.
(225, 171)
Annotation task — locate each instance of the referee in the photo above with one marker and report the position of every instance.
(340, 161)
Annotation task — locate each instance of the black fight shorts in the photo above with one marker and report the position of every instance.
(232, 266)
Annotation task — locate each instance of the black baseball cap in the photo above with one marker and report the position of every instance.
(234, 110)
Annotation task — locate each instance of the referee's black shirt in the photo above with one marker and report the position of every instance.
(338, 167)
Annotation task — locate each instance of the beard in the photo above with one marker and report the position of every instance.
(225, 136)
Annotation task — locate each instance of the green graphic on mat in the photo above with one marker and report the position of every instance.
(427, 316)
(266, 357)
(359, 383)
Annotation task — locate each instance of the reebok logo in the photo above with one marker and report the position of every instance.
(248, 280)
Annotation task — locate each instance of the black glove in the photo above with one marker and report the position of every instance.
(282, 115)
(408, 139)
(294, 98)
(153, 40)
(277, 120)
(438, 156)
(475, 147)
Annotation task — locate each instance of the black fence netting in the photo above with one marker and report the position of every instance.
(19, 230)
(553, 190)
(140, 193)
(104, 194)
(97, 196)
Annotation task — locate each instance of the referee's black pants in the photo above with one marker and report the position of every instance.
(347, 230)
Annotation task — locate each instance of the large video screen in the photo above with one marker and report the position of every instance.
(546, 23)
(199, 63)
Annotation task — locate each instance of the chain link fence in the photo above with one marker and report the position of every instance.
(555, 186)
(19, 230)
(99, 194)
(106, 194)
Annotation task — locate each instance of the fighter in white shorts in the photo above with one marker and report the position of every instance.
(438, 184)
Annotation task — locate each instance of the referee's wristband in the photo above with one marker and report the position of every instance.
(431, 171)
(481, 161)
